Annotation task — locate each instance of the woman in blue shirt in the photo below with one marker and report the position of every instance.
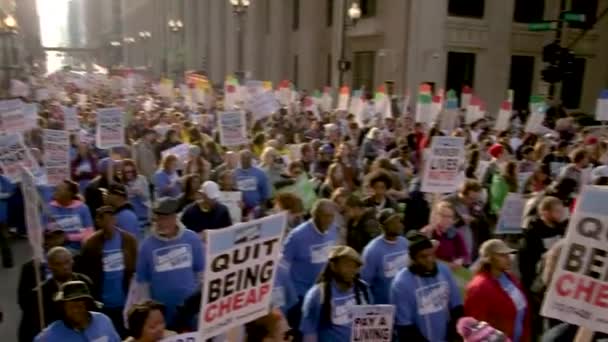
(326, 310)
(166, 179)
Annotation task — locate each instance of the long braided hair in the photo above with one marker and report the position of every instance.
(324, 282)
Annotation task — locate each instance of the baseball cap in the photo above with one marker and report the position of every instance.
(496, 150)
(344, 252)
(166, 206)
(210, 189)
(494, 246)
(388, 214)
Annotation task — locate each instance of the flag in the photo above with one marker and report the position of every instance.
(343, 98)
(465, 97)
(423, 107)
(504, 117)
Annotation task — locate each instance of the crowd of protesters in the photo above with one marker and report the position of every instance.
(124, 235)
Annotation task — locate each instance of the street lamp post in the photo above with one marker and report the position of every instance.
(239, 9)
(352, 15)
(145, 38)
(176, 26)
(9, 58)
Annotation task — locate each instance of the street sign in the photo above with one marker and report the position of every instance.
(574, 17)
(543, 26)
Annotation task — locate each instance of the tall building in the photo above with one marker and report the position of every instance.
(26, 13)
(485, 44)
(77, 36)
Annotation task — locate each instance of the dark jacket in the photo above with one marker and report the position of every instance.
(90, 262)
(197, 220)
(537, 239)
(51, 311)
(92, 194)
(27, 301)
(359, 233)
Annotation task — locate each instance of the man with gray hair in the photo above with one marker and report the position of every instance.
(60, 263)
(306, 249)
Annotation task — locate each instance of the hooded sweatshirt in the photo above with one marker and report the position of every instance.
(75, 220)
(172, 267)
(425, 301)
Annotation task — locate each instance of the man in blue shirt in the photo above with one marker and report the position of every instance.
(385, 255)
(126, 219)
(78, 323)
(306, 249)
(252, 182)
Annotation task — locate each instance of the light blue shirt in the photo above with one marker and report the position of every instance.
(382, 260)
(519, 300)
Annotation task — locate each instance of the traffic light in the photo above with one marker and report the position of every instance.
(551, 53)
(551, 74)
(560, 62)
(566, 63)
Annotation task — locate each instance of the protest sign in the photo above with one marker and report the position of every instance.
(240, 266)
(442, 167)
(601, 110)
(510, 220)
(19, 89)
(232, 200)
(263, 105)
(343, 98)
(189, 337)
(14, 155)
(70, 118)
(11, 116)
(578, 293)
(180, 151)
(503, 118)
(110, 128)
(372, 323)
(233, 128)
(473, 110)
(465, 97)
(56, 155)
(32, 213)
(30, 114)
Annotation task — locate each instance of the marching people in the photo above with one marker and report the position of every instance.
(166, 180)
(126, 219)
(253, 183)
(451, 246)
(207, 212)
(108, 258)
(147, 323)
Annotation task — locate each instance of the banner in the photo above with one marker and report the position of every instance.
(233, 128)
(32, 213)
(510, 220)
(372, 323)
(11, 116)
(14, 155)
(442, 167)
(110, 128)
(56, 155)
(240, 266)
(233, 199)
(263, 105)
(70, 118)
(578, 293)
(30, 114)
(189, 337)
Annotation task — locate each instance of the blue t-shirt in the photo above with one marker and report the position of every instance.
(73, 220)
(171, 268)
(253, 184)
(519, 300)
(162, 181)
(305, 251)
(425, 301)
(283, 292)
(340, 325)
(128, 221)
(7, 188)
(100, 329)
(382, 260)
(113, 293)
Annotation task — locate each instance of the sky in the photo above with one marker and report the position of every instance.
(53, 28)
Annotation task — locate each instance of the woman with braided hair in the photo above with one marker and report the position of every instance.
(326, 309)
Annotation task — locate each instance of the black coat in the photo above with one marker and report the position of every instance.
(27, 301)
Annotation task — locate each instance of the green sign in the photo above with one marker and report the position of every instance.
(574, 17)
(544, 26)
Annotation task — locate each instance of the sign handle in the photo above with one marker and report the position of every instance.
(39, 293)
(583, 335)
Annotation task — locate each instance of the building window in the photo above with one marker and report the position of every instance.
(329, 69)
(295, 70)
(295, 15)
(363, 70)
(329, 12)
(529, 11)
(461, 71)
(466, 8)
(520, 80)
(572, 85)
(368, 8)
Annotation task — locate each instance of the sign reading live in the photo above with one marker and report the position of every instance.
(240, 267)
(372, 323)
(110, 128)
(578, 293)
(442, 168)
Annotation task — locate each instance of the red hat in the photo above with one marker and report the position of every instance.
(591, 140)
(496, 150)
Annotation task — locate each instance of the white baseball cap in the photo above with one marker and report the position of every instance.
(211, 190)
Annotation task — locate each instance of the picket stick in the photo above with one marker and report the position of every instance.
(583, 335)
(39, 293)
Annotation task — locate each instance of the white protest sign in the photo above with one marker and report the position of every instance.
(263, 105)
(70, 118)
(251, 248)
(181, 151)
(189, 337)
(11, 116)
(601, 109)
(232, 200)
(578, 293)
(14, 155)
(343, 98)
(32, 213)
(233, 128)
(504, 117)
(56, 155)
(442, 166)
(372, 323)
(510, 220)
(30, 113)
(110, 128)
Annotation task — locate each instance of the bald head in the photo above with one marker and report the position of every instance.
(246, 157)
(323, 212)
(60, 263)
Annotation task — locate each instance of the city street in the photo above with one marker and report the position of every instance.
(8, 292)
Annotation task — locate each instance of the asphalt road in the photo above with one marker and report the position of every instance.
(8, 292)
